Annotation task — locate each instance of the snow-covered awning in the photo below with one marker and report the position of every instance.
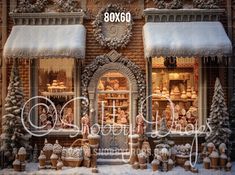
(185, 39)
(46, 41)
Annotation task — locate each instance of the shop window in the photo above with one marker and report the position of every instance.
(180, 84)
(56, 82)
(113, 93)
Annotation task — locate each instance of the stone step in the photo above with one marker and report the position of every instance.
(118, 155)
(111, 161)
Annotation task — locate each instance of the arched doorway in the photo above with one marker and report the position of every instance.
(113, 133)
(98, 84)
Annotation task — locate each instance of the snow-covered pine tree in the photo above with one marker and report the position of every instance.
(13, 134)
(219, 118)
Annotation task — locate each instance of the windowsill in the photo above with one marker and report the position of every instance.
(67, 132)
(59, 132)
(178, 134)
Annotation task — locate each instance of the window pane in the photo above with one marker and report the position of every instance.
(180, 85)
(56, 82)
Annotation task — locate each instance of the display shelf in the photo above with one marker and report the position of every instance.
(113, 92)
(116, 98)
(57, 94)
(177, 100)
(116, 106)
(113, 114)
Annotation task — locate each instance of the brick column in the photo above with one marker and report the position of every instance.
(149, 92)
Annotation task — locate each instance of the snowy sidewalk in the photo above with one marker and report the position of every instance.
(126, 169)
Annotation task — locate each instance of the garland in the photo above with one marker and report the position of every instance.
(68, 6)
(206, 4)
(27, 6)
(178, 4)
(174, 4)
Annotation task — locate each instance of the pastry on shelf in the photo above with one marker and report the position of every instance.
(61, 86)
(176, 92)
(163, 96)
(167, 94)
(176, 116)
(164, 89)
(194, 111)
(183, 112)
(125, 103)
(174, 76)
(123, 117)
(109, 120)
(61, 83)
(109, 88)
(116, 85)
(183, 95)
(188, 115)
(49, 88)
(100, 86)
(172, 95)
(194, 95)
(157, 92)
(177, 108)
(183, 122)
(54, 83)
(49, 124)
(188, 93)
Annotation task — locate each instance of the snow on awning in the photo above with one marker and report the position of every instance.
(185, 39)
(46, 41)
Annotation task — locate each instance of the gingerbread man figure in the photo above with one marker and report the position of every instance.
(85, 126)
(140, 124)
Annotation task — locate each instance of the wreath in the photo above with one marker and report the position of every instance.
(115, 42)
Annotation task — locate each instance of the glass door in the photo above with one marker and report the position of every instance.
(113, 94)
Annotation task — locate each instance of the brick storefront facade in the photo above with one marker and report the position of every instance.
(134, 52)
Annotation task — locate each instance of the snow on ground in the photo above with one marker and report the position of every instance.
(126, 169)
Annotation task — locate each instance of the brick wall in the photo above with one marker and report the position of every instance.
(134, 50)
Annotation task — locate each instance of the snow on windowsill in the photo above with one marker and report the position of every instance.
(58, 132)
(179, 134)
